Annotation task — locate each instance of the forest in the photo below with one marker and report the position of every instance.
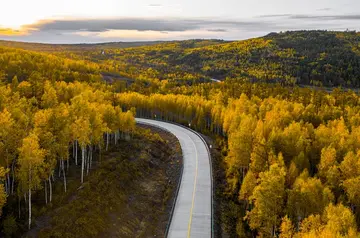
(318, 58)
(289, 163)
(43, 122)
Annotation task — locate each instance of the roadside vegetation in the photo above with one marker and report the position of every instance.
(129, 193)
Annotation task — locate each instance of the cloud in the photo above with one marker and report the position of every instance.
(326, 17)
(71, 30)
(139, 24)
(155, 5)
(324, 9)
(274, 15)
(217, 30)
(314, 17)
(90, 30)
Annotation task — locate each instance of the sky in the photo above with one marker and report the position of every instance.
(94, 21)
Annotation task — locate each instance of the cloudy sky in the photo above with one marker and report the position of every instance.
(89, 21)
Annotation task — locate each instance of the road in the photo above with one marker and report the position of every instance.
(192, 213)
(215, 80)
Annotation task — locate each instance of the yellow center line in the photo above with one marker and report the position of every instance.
(193, 198)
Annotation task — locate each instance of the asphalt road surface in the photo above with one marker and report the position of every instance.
(192, 213)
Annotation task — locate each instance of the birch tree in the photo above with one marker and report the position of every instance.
(31, 159)
(268, 200)
(82, 131)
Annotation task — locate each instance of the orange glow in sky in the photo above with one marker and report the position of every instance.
(59, 21)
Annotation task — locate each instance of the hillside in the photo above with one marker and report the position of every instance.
(53, 48)
(303, 57)
(35, 66)
(320, 58)
(307, 57)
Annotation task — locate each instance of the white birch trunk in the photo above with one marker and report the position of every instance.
(63, 169)
(29, 197)
(60, 167)
(88, 161)
(9, 183)
(50, 186)
(29, 207)
(46, 196)
(76, 152)
(13, 178)
(107, 141)
(82, 163)
(91, 156)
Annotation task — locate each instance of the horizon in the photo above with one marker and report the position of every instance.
(165, 41)
(66, 22)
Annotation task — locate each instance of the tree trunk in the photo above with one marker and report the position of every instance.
(99, 151)
(73, 148)
(46, 196)
(6, 188)
(64, 175)
(29, 207)
(88, 161)
(29, 197)
(107, 141)
(19, 207)
(76, 152)
(9, 183)
(13, 177)
(60, 167)
(91, 155)
(50, 186)
(82, 163)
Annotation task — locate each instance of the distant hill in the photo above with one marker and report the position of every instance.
(302, 57)
(320, 58)
(76, 47)
(73, 47)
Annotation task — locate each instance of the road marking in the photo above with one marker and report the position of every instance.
(193, 198)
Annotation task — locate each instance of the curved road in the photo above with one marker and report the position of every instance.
(192, 213)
